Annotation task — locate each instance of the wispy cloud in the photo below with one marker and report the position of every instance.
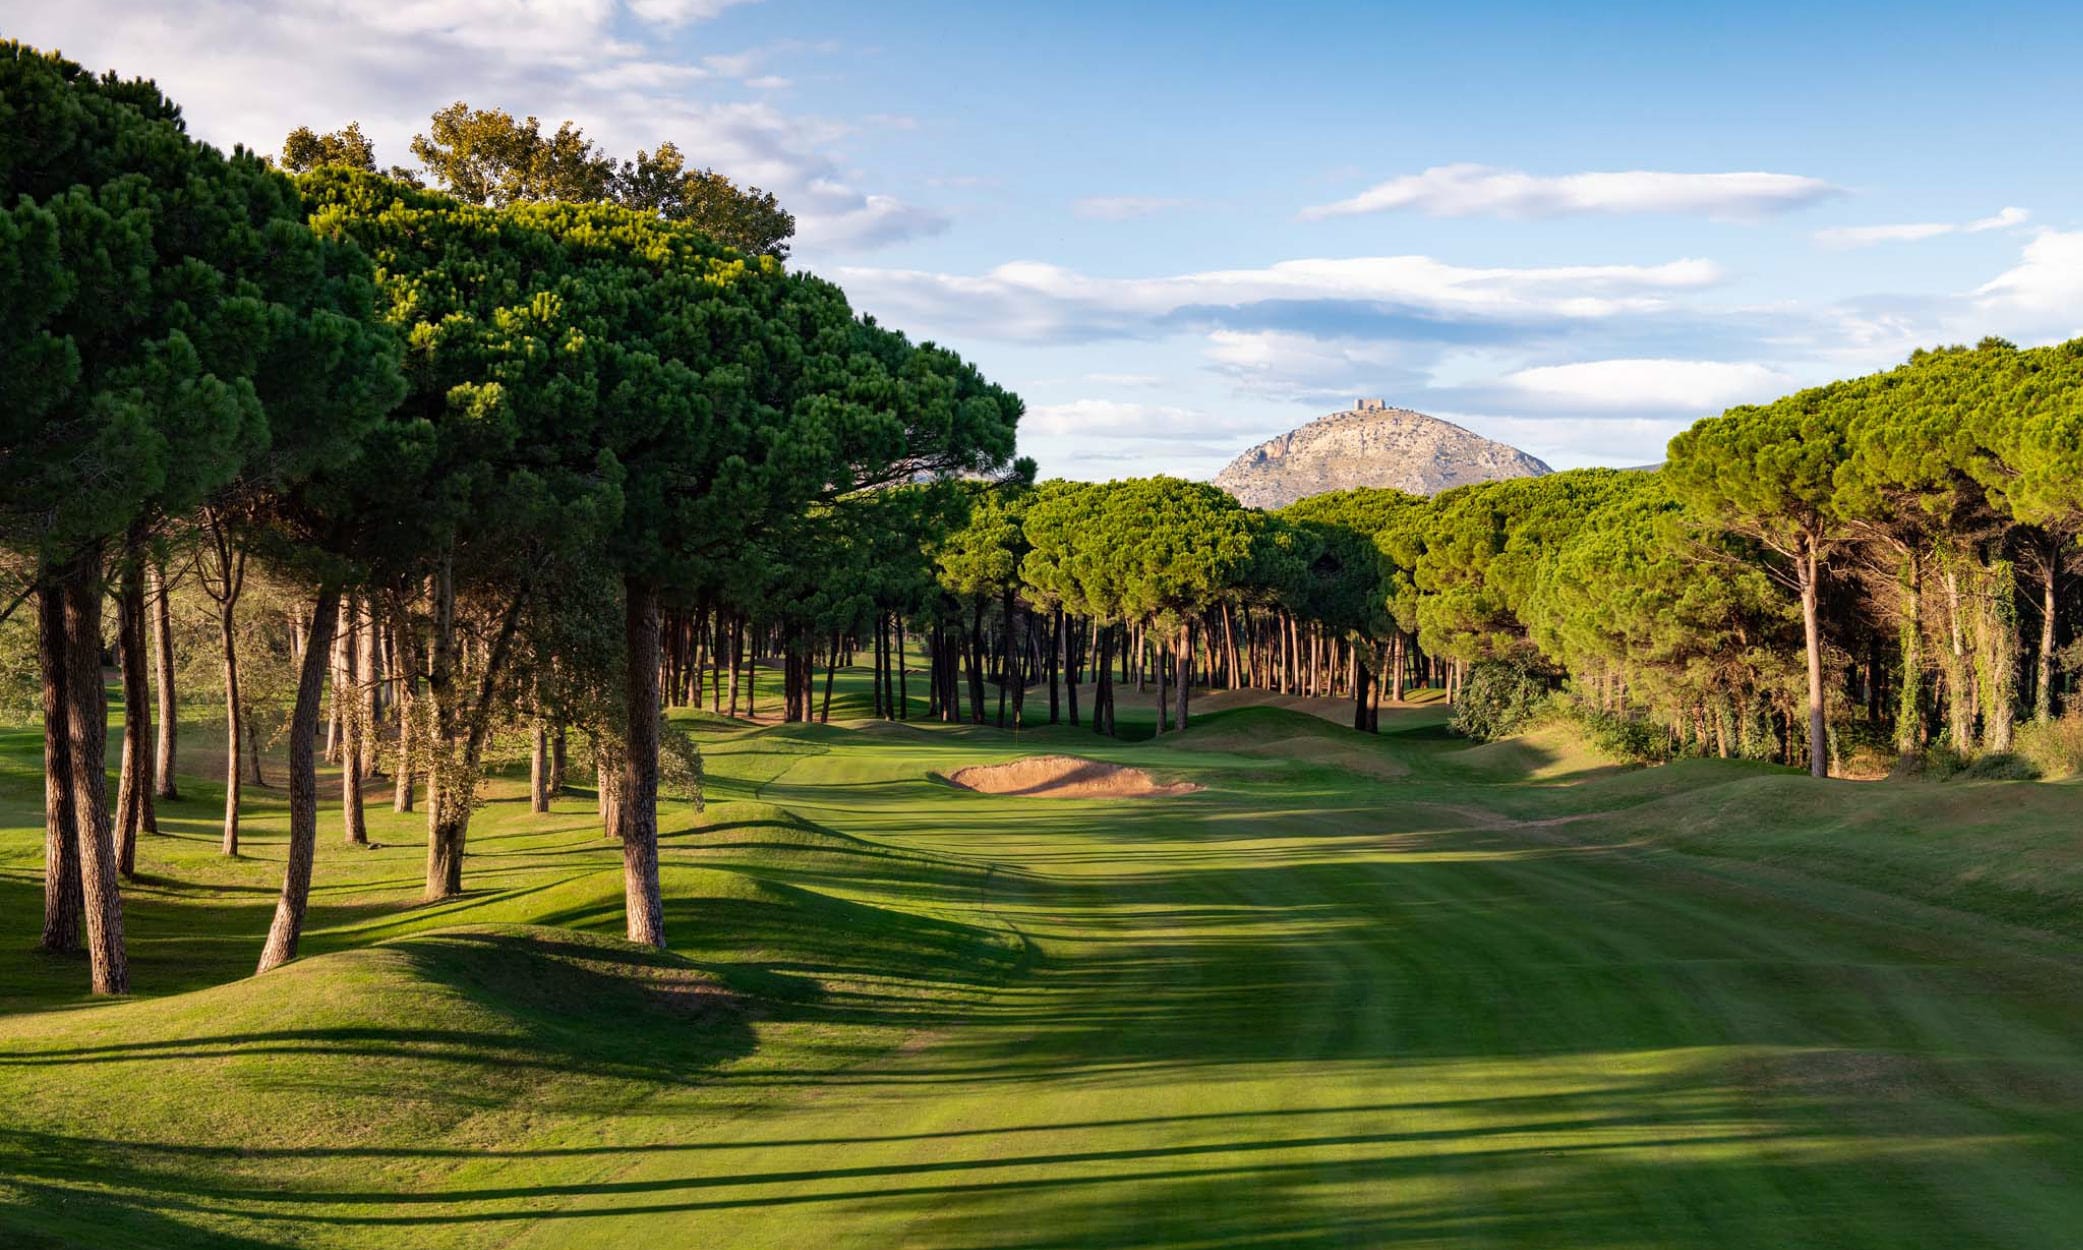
(1307, 368)
(678, 12)
(2043, 292)
(1484, 190)
(1124, 207)
(1031, 300)
(1119, 419)
(1842, 237)
(1649, 385)
(734, 64)
(1097, 438)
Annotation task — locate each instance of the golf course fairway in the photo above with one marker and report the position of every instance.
(1353, 991)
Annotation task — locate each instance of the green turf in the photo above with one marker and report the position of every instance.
(1356, 992)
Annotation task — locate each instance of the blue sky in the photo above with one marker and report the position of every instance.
(1177, 229)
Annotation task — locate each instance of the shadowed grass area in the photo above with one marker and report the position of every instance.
(1356, 991)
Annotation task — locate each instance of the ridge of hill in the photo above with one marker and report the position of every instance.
(1370, 445)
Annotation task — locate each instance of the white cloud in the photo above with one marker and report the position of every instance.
(1123, 207)
(1306, 368)
(2003, 219)
(2045, 288)
(605, 64)
(839, 217)
(1635, 385)
(1035, 300)
(1127, 379)
(1575, 443)
(1913, 232)
(1097, 438)
(1118, 419)
(734, 64)
(1472, 190)
(676, 12)
(1867, 236)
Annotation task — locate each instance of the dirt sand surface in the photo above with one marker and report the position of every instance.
(1065, 777)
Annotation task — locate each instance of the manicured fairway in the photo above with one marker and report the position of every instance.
(1356, 992)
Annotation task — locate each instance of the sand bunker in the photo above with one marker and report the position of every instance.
(1065, 777)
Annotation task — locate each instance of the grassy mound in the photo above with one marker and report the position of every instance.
(1545, 753)
(2006, 851)
(1276, 733)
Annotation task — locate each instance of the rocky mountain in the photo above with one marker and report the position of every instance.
(1370, 444)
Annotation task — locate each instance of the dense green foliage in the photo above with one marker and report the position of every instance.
(492, 435)
(1500, 698)
(1879, 563)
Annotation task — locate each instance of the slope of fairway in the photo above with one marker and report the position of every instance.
(1432, 1000)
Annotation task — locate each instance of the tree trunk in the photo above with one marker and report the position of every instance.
(63, 904)
(1182, 671)
(405, 659)
(347, 698)
(1229, 648)
(751, 673)
(1960, 699)
(134, 789)
(1103, 686)
(1074, 669)
(1996, 653)
(445, 791)
(1056, 664)
(737, 659)
(163, 784)
(1016, 660)
(234, 736)
(1164, 707)
(539, 768)
(879, 665)
(1811, 630)
(976, 664)
(824, 712)
(2043, 672)
(458, 749)
(936, 699)
(288, 924)
(642, 903)
(607, 784)
(903, 675)
(87, 730)
(1374, 703)
(1909, 709)
(368, 660)
(336, 709)
(1362, 683)
(557, 751)
(253, 753)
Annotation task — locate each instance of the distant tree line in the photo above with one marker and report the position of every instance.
(1883, 563)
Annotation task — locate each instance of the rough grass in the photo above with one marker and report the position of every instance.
(1358, 991)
